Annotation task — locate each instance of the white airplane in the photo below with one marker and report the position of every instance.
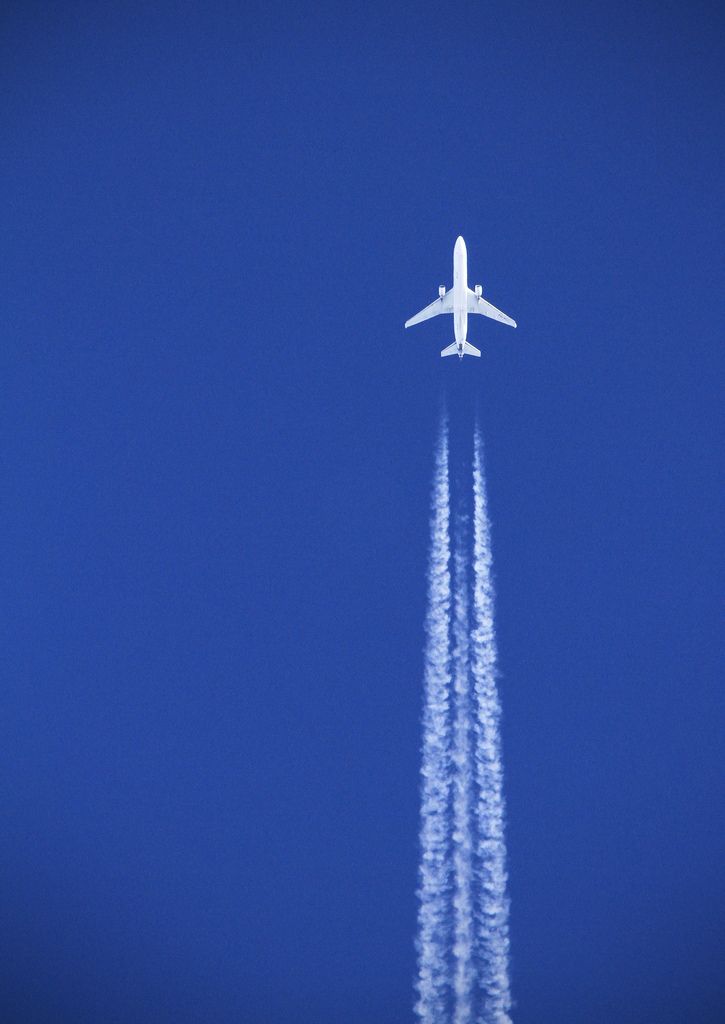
(460, 301)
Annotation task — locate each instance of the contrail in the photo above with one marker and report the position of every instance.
(463, 935)
(433, 982)
(492, 931)
(463, 938)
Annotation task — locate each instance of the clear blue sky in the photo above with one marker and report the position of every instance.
(217, 451)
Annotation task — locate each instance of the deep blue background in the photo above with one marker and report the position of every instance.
(217, 448)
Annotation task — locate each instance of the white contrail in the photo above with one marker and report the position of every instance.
(463, 942)
(492, 931)
(433, 982)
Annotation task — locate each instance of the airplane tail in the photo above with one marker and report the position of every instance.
(468, 350)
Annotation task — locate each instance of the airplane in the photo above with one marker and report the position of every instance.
(460, 301)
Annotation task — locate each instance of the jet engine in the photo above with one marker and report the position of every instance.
(479, 290)
(441, 291)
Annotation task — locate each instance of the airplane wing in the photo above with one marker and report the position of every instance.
(444, 305)
(476, 305)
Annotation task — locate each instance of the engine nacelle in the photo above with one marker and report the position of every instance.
(479, 290)
(441, 291)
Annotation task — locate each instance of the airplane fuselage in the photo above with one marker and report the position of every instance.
(460, 301)
(460, 293)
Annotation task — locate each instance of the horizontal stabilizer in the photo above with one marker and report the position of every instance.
(467, 350)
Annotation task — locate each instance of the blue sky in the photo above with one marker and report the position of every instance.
(218, 450)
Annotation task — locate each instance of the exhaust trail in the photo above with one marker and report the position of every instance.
(433, 981)
(492, 929)
(463, 923)
(463, 930)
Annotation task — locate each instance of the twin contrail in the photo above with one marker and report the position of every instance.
(463, 943)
